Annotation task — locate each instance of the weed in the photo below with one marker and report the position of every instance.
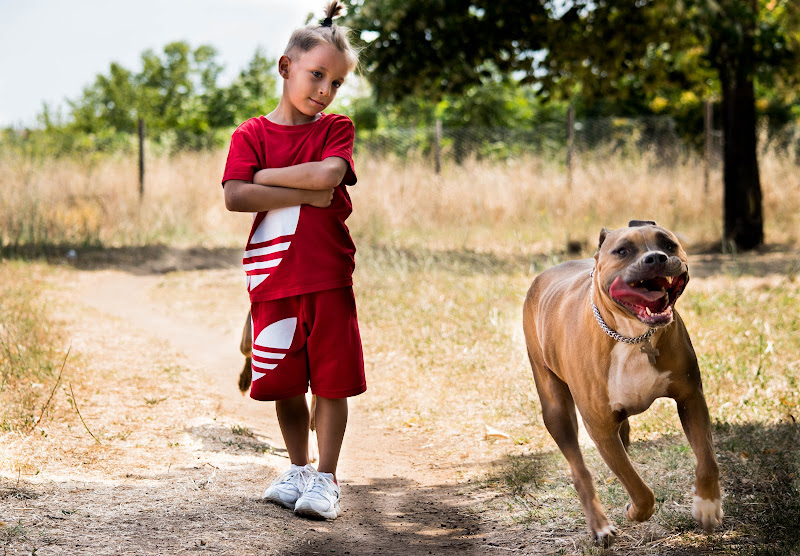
(28, 359)
(241, 430)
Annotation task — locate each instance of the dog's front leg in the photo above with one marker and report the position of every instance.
(707, 504)
(606, 436)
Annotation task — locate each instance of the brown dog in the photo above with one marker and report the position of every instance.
(603, 335)
(246, 378)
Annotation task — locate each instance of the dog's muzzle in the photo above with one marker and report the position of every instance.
(650, 288)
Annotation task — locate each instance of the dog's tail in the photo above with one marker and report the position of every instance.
(246, 376)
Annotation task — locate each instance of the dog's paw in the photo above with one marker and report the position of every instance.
(602, 531)
(635, 514)
(707, 513)
(605, 536)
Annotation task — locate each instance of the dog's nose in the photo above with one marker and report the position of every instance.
(655, 257)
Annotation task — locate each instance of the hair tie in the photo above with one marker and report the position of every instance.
(327, 22)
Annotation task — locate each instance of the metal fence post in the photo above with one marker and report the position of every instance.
(570, 144)
(438, 146)
(141, 158)
(708, 125)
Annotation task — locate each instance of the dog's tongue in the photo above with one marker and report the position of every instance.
(635, 296)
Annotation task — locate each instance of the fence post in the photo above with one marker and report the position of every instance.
(438, 145)
(708, 125)
(570, 144)
(141, 158)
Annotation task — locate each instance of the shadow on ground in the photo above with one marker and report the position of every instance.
(760, 476)
(218, 509)
(231, 439)
(161, 259)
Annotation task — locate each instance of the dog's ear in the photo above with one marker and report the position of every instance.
(637, 223)
(603, 234)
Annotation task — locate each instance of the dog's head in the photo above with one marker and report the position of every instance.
(643, 270)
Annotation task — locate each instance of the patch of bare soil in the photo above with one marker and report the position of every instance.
(181, 458)
(148, 447)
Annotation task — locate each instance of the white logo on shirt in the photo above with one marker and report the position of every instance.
(277, 223)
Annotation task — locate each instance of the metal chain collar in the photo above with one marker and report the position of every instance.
(613, 333)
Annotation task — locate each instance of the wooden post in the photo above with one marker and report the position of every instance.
(141, 158)
(438, 146)
(708, 130)
(570, 144)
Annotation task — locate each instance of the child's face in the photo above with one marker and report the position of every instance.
(312, 78)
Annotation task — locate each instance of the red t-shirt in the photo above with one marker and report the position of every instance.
(301, 249)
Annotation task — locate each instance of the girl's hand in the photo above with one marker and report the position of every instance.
(321, 198)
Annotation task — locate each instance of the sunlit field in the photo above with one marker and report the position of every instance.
(443, 265)
(523, 205)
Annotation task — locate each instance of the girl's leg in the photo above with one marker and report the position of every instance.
(293, 419)
(331, 418)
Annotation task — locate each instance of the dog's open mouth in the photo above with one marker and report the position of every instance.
(651, 300)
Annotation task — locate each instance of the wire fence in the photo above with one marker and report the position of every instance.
(657, 139)
(552, 140)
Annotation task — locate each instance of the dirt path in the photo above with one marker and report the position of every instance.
(184, 457)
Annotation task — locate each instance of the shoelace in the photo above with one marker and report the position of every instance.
(301, 476)
(319, 484)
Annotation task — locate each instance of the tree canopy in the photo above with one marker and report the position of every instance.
(643, 52)
(177, 94)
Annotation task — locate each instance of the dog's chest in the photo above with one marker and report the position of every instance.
(633, 382)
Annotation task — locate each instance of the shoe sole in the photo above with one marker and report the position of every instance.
(280, 502)
(312, 513)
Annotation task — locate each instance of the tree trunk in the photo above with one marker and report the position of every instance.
(743, 216)
(744, 223)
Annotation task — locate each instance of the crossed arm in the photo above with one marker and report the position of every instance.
(310, 183)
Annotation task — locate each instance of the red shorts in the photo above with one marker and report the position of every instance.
(307, 339)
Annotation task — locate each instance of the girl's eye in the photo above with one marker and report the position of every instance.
(336, 84)
(316, 74)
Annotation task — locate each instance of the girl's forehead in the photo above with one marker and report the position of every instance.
(324, 54)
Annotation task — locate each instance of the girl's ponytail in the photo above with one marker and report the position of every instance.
(324, 32)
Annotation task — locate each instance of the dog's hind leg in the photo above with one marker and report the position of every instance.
(560, 418)
(625, 434)
(313, 447)
(246, 347)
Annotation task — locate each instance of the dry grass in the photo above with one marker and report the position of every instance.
(526, 206)
(522, 206)
(28, 350)
(72, 203)
(443, 265)
(446, 359)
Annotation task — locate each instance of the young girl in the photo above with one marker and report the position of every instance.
(290, 169)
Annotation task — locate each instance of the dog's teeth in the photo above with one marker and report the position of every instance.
(648, 311)
(669, 280)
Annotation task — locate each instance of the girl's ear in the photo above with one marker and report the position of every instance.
(283, 66)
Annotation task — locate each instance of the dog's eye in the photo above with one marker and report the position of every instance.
(671, 246)
(621, 251)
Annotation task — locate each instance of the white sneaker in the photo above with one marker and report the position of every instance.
(287, 488)
(320, 499)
